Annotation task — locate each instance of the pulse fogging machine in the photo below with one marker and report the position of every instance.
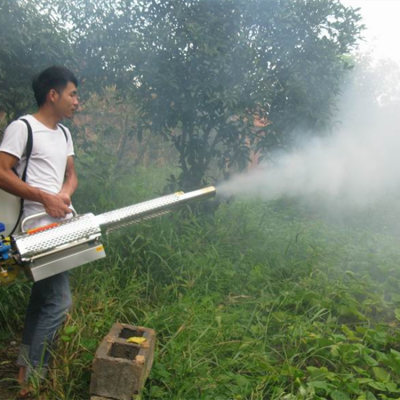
(48, 250)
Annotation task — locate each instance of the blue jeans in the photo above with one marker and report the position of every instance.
(49, 302)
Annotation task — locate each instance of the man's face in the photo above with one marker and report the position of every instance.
(67, 102)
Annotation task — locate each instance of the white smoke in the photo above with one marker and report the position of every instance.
(356, 166)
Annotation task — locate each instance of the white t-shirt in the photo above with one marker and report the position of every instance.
(48, 161)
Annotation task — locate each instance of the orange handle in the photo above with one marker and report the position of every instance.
(42, 228)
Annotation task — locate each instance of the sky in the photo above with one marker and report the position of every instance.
(383, 26)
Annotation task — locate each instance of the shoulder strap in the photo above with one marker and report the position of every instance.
(29, 146)
(65, 132)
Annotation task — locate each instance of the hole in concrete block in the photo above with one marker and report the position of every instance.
(124, 351)
(126, 333)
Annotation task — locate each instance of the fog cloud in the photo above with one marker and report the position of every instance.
(354, 166)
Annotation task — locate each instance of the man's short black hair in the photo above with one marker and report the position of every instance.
(55, 77)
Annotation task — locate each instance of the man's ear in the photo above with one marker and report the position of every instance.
(53, 95)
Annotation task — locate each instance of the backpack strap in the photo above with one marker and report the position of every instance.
(65, 133)
(29, 146)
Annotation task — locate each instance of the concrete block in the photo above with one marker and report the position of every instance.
(98, 398)
(120, 369)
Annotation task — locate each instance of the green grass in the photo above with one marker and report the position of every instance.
(255, 302)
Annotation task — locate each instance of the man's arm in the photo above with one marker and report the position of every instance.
(70, 183)
(9, 182)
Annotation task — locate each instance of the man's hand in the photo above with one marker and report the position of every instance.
(55, 205)
(66, 198)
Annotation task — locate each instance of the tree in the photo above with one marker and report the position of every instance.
(107, 151)
(201, 70)
(30, 40)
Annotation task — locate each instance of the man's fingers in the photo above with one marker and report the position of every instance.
(56, 205)
(65, 198)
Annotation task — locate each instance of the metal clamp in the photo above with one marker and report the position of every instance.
(39, 215)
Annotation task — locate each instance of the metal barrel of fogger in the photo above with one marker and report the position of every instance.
(149, 209)
(88, 228)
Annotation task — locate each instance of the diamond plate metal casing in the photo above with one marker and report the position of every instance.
(66, 234)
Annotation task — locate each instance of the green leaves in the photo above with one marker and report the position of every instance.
(381, 374)
(397, 313)
(238, 312)
(339, 395)
(30, 40)
(202, 71)
(68, 333)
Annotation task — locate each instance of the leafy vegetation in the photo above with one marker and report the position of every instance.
(30, 41)
(257, 302)
(199, 73)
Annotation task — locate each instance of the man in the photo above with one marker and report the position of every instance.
(50, 182)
